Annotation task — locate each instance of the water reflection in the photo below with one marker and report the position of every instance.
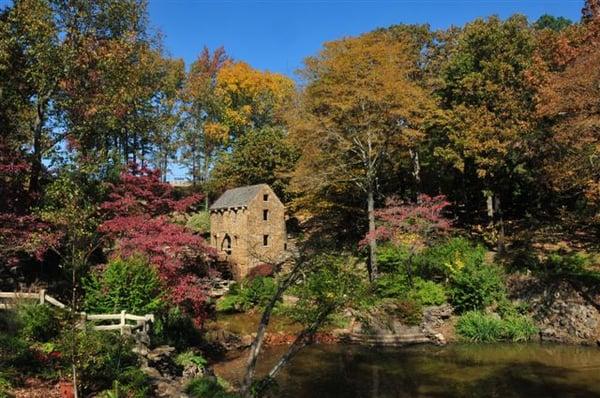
(453, 371)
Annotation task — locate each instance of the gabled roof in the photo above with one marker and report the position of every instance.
(237, 197)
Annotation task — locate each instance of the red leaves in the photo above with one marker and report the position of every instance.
(138, 207)
(424, 217)
(140, 191)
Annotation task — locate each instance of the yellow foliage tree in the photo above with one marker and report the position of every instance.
(362, 105)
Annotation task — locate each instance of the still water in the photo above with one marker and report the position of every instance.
(499, 370)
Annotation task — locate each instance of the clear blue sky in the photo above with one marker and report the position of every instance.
(278, 34)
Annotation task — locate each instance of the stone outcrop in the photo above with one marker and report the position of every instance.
(383, 327)
(564, 311)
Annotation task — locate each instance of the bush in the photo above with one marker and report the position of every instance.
(206, 387)
(391, 258)
(392, 285)
(199, 222)
(101, 357)
(476, 287)
(5, 384)
(130, 284)
(248, 294)
(449, 257)
(428, 292)
(14, 351)
(38, 322)
(190, 357)
(175, 328)
(410, 312)
(479, 327)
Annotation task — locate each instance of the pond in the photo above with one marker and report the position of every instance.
(498, 370)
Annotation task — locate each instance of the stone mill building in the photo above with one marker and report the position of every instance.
(247, 226)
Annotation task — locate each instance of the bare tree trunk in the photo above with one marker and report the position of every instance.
(302, 340)
(262, 328)
(372, 241)
(500, 224)
(36, 163)
(416, 172)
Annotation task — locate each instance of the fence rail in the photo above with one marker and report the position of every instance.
(141, 322)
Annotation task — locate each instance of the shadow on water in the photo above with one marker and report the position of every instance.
(505, 371)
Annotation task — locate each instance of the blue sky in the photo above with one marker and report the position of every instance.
(278, 35)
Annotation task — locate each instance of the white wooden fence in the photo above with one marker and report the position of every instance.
(126, 322)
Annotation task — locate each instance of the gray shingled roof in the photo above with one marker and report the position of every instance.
(237, 197)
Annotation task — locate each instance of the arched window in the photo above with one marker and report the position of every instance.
(226, 244)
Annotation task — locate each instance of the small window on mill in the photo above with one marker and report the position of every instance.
(265, 240)
(265, 215)
(266, 197)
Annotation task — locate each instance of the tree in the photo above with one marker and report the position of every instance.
(569, 102)
(262, 156)
(553, 23)
(360, 107)
(324, 284)
(420, 221)
(590, 11)
(137, 219)
(488, 103)
(205, 132)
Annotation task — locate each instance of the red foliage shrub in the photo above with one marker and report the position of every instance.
(261, 270)
(424, 217)
(137, 218)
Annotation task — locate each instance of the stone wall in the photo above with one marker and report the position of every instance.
(246, 228)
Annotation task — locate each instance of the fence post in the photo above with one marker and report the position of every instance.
(42, 296)
(122, 321)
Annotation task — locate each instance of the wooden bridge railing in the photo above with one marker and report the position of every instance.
(141, 322)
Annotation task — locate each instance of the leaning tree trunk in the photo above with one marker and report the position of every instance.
(500, 217)
(372, 241)
(262, 328)
(36, 164)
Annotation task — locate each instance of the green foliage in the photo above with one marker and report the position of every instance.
(175, 328)
(5, 385)
(101, 358)
(392, 285)
(332, 282)
(391, 258)
(14, 351)
(551, 22)
(190, 357)
(129, 284)
(259, 157)
(205, 387)
(248, 294)
(428, 292)
(199, 222)
(38, 322)
(410, 312)
(450, 256)
(479, 327)
(476, 287)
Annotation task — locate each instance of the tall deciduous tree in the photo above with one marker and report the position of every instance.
(488, 103)
(360, 107)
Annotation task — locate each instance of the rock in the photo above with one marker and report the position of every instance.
(140, 350)
(151, 372)
(160, 352)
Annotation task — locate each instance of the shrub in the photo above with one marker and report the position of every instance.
(101, 357)
(449, 257)
(205, 387)
(5, 384)
(248, 294)
(476, 287)
(261, 270)
(409, 312)
(38, 322)
(190, 357)
(391, 258)
(479, 327)
(130, 284)
(428, 292)
(199, 222)
(175, 328)
(393, 285)
(14, 351)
